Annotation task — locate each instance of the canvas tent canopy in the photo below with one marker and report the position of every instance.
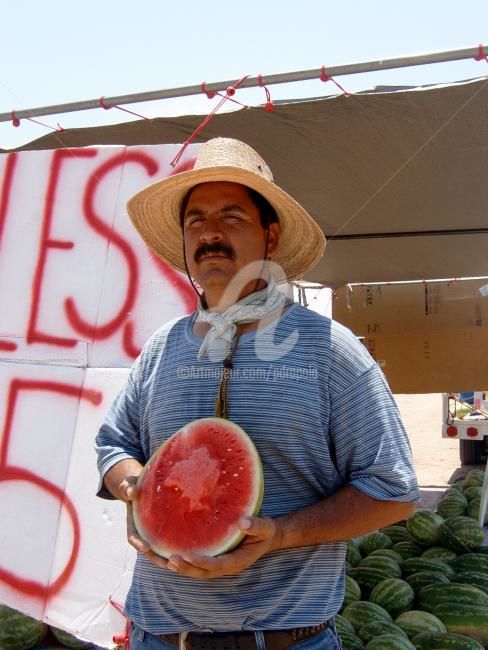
(395, 177)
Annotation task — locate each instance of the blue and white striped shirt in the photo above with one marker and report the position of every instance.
(321, 416)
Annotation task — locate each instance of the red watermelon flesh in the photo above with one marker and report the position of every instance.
(196, 486)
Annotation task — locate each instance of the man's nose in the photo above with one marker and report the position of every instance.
(211, 232)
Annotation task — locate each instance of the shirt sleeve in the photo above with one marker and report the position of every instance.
(372, 449)
(119, 436)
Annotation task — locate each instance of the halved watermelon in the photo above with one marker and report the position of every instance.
(195, 488)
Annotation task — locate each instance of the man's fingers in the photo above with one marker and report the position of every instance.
(263, 527)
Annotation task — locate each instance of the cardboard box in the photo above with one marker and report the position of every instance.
(427, 338)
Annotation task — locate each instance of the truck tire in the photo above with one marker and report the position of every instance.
(472, 452)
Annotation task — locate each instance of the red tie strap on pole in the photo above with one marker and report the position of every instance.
(15, 120)
(121, 639)
(269, 106)
(482, 56)
(228, 95)
(325, 77)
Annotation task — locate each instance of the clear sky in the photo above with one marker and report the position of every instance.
(57, 51)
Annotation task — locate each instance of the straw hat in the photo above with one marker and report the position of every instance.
(155, 210)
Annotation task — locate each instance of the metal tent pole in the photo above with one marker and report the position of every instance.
(249, 82)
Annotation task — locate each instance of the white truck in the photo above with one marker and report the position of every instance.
(465, 417)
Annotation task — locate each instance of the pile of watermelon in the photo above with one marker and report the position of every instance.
(422, 583)
(21, 632)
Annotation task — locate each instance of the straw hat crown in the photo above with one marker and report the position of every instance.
(155, 210)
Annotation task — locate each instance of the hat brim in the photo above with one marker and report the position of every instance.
(155, 213)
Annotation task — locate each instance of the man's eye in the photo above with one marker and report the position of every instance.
(194, 221)
(232, 218)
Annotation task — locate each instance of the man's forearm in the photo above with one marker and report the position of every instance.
(116, 475)
(348, 513)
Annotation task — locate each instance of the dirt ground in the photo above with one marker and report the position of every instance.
(436, 459)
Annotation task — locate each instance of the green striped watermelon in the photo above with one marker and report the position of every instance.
(416, 564)
(452, 506)
(475, 578)
(372, 542)
(375, 628)
(460, 618)
(423, 527)
(473, 509)
(394, 595)
(361, 612)
(18, 631)
(424, 578)
(343, 625)
(471, 562)
(383, 563)
(461, 534)
(439, 553)
(473, 492)
(414, 622)
(446, 641)
(396, 533)
(474, 478)
(367, 577)
(408, 549)
(351, 642)
(389, 642)
(352, 591)
(432, 595)
(387, 552)
(353, 556)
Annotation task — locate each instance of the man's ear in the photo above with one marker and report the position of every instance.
(273, 238)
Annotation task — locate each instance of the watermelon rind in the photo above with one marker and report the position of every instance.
(352, 591)
(19, 631)
(461, 534)
(446, 641)
(387, 552)
(415, 621)
(439, 553)
(424, 578)
(396, 533)
(375, 628)
(372, 542)
(184, 440)
(389, 642)
(394, 595)
(353, 556)
(471, 562)
(408, 549)
(383, 563)
(351, 641)
(474, 478)
(460, 618)
(423, 527)
(475, 578)
(416, 564)
(432, 595)
(343, 625)
(361, 612)
(367, 577)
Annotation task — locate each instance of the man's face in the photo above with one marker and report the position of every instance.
(223, 234)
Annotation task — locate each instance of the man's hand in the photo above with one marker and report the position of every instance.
(262, 536)
(128, 491)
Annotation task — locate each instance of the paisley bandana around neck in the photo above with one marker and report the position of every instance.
(251, 308)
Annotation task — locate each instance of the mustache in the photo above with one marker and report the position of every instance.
(217, 249)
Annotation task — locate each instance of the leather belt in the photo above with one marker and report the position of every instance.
(274, 639)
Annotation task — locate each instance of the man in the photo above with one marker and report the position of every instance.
(335, 456)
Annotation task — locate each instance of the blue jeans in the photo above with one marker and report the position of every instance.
(328, 639)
